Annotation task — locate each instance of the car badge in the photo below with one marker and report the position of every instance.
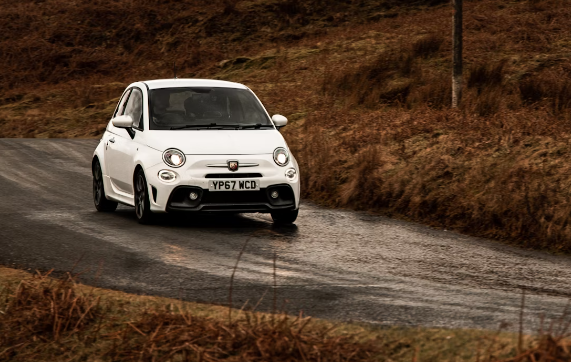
(233, 166)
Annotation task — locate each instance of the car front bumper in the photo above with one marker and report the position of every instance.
(231, 201)
(198, 171)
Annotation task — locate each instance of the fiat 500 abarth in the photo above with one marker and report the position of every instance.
(189, 145)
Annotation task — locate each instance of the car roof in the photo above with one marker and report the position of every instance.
(178, 83)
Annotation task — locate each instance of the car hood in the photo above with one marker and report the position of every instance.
(217, 142)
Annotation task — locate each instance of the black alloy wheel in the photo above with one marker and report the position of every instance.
(99, 199)
(142, 205)
(284, 217)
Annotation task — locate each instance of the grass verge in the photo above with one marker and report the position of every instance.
(44, 319)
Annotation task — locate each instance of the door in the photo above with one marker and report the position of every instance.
(122, 146)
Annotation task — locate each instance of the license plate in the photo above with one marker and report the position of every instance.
(234, 185)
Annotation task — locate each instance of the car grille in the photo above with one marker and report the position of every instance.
(233, 175)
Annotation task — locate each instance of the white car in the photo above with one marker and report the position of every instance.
(191, 145)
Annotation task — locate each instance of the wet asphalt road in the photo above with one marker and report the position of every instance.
(340, 265)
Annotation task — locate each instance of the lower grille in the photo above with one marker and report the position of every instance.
(234, 197)
(241, 208)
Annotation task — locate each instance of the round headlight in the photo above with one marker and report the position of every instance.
(281, 156)
(174, 157)
(167, 175)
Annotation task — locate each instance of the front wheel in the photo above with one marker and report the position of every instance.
(142, 205)
(284, 217)
(99, 199)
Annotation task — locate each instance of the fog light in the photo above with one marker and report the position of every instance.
(274, 194)
(167, 175)
(290, 173)
(193, 196)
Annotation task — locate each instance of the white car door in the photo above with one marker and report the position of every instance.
(121, 146)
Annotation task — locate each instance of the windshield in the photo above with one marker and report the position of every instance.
(202, 107)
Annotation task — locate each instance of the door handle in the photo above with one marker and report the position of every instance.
(112, 140)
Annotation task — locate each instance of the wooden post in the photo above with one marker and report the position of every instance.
(457, 57)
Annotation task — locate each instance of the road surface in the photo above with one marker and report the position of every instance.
(334, 264)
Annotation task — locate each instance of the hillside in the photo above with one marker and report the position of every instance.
(365, 85)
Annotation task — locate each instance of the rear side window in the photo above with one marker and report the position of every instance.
(134, 108)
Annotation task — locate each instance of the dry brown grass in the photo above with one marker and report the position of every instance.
(497, 167)
(43, 319)
(423, 165)
(56, 41)
(166, 335)
(45, 311)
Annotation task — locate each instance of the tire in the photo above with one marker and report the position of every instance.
(284, 217)
(142, 204)
(99, 199)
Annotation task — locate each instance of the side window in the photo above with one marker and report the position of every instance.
(121, 106)
(134, 108)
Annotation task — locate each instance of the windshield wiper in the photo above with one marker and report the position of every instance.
(255, 126)
(203, 126)
(223, 126)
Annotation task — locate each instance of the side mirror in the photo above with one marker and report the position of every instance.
(124, 121)
(279, 120)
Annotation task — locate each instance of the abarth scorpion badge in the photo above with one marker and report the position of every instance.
(233, 166)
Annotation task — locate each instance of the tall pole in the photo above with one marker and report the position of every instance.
(457, 58)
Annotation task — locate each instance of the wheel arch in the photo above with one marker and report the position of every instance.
(98, 156)
(137, 168)
(95, 159)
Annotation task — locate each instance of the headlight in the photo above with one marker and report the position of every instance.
(281, 157)
(167, 175)
(174, 157)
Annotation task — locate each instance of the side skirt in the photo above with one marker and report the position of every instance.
(114, 194)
